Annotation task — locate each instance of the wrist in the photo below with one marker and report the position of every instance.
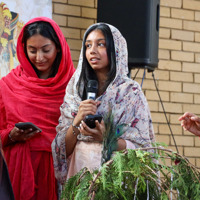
(75, 129)
(11, 138)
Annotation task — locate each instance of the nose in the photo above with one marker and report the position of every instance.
(39, 56)
(93, 49)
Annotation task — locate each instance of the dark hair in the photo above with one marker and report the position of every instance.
(46, 30)
(87, 72)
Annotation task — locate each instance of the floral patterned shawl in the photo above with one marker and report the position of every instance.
(128, 103)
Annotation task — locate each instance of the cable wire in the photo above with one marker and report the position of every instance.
(143, 77)
(165, 113)
(161, 105)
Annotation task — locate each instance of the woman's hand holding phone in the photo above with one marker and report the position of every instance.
(96, 133)
(23, 131)
(86, 107)
(89, 123)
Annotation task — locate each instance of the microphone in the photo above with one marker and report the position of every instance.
(92, 89)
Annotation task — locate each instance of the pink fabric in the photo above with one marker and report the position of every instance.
(85, 154)
(26, 98)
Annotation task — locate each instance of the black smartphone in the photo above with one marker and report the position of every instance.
(27, 125)
(90, 120)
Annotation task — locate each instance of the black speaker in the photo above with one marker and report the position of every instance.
(138, 21)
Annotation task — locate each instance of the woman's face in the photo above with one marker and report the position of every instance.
(96, 53)
(42, 53)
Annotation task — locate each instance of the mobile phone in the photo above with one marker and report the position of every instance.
(27, 125)
(90, 120)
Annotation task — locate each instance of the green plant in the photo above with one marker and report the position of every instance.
(134, 174)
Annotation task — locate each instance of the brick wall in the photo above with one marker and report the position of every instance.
(178, 73)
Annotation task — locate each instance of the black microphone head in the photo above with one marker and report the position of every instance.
(92, 89)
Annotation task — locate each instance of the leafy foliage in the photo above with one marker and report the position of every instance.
(138, 174)
(135, 174)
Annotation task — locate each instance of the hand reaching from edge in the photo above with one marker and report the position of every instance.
(190, 122)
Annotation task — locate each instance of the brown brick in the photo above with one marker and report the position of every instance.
(183, 141)
(134, 71)
(75, 63)
(197, 141)
(170, 44)
(173, 148)
(192, 151)
(77, 22)
(182, 56)
(164, 33)
(165, 11)
(173, 118)
(170, 65)
(191, 46)
(169, 86)
(170, 3)
(181, 76)
(67, 10)
(191, 5)
(59, 1)
(182, 14)
(60, 19)
(155, 127)
(197, 37)
(82, 33)
(197, 16)
(148, 84)
(75, 55)
(182, 35)
(86, 3)
(71, 33)
(74, 44)
(158, 117)
(181, 97)
(198, 162)
(153, 95)
(197, 57)
(191, 108)
(196, 99)
(176, 129)
(163, 138)
(161, 75)
(191, 87)
(192, 160)
(153, 106)
(191, 26)
(164, 129)
(95, 3)
(191, 67)
(171, 107)
(170, 23)
(164, 54)
(89, 12)
(197, 78)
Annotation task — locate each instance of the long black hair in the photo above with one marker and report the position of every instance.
(87, 72)
(46, 30)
